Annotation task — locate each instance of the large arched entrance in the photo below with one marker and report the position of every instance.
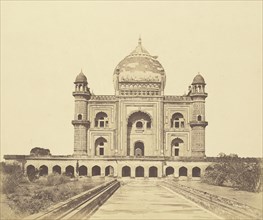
(153, 172)
(139, 172)
(126, 171)
(139, 123)
(139, 149)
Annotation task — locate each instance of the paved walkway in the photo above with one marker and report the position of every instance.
(148, 200)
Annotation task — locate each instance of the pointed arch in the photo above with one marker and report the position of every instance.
(183, 171)
(109, 171)
(169, 171)
(126, 171)
(100, 145)
(196, 172)
(139, 114)
(153, 171)
(139, 149)
(70, 171)
(139, 171)
(177, 120)
(175, 146)
(83, 170)
(30, 169)
(101, 120)
(43, 170)
(96, 171)
(56, 169)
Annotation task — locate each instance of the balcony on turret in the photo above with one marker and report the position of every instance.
(81, 122)
(81, 93)
(198, 123)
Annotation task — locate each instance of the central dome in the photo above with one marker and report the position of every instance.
(139, 67)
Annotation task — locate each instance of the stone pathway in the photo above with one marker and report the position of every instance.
(148, 200)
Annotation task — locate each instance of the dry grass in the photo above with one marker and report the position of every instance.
(20, 197)
(34, 197)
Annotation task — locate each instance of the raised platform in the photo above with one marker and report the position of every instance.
(183, 167)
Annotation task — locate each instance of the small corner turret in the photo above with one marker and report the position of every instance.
(81, 124)
(198, 122)
(81, 86)
(197, 88)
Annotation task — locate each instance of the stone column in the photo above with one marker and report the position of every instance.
(176, 172)
(89, 171)
(132, 172)
(161, 170)
(146, 172)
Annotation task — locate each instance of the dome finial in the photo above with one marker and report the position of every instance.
(140, 40)
(199, 79)
(81, 77)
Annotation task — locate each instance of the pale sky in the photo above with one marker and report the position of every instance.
(45, 44)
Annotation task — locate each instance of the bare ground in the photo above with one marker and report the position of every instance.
(249, 198)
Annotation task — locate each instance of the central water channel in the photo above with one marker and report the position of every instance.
(149, 200)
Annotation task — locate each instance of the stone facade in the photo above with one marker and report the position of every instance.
(139, 120)
(138, 132)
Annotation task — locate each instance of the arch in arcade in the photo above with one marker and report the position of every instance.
(43, 170)
(109, 171)
(139, 171)
(153, 171)
(70, 171)
(177, 120)
(196, 172)
(56, 169)
(96, 171)
(126, 171)
(182, 171)
(83, 170)
(30, 169)
(169, 171)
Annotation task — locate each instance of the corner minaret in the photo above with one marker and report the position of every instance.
(198, 123)
(80, 122)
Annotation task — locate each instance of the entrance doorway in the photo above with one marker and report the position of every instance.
(139, 149)
(177, 143)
